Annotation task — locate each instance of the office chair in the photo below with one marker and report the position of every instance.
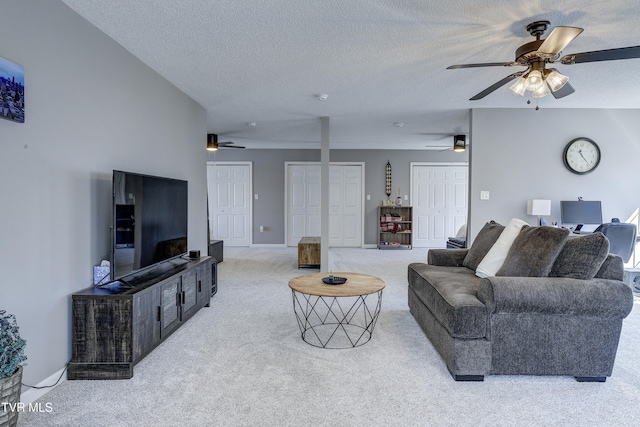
(622, 237)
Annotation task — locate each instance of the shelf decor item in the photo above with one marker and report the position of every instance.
(387, 186)
(11, 360)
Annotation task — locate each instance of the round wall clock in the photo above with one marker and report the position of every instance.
(581, 155)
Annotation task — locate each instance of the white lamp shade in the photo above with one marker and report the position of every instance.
(541, 91)
(539, 207)
(534, 80)
(556, 81)
(519, 86)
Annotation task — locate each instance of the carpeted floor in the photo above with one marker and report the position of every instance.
(242, 362)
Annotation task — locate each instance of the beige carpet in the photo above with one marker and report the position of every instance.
(242, 362)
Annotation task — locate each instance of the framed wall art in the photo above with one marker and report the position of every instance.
(11, 91)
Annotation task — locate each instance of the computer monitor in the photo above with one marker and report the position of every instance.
(580, 212)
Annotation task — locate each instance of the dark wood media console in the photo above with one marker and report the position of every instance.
(116, 326)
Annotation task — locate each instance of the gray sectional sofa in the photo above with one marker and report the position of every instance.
(555, 307)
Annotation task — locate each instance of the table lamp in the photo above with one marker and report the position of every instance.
(539, 208)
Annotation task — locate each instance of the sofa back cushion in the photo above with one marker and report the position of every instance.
(534, 251)
(581, 257)
(482, 243)
(612, 268)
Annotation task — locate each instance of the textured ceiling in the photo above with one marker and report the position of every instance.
(380, 62)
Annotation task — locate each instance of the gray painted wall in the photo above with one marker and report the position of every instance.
(91, 107)
(269, 181)
(516, 154)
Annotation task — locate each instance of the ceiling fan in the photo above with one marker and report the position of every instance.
(536, 55)
(213, 144)
(459, 142)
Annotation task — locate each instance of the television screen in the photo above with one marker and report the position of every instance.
(149, 221)
(581, 212)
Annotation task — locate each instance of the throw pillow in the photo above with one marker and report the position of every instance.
(581, 257)
(534, 251)
(482, 243)
(492, 262)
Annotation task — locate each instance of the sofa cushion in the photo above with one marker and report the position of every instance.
(450, 294)
(612, 268)
(581, 257)
(494, 259)
(482, 243)
(534, 251)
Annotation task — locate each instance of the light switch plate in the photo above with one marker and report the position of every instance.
(484, 195)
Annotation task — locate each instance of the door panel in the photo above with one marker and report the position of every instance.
(222, 232)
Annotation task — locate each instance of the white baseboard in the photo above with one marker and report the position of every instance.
(370, 246)
(33, 394)
(269, 245)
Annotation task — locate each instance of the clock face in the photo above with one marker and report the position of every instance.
(582, 155)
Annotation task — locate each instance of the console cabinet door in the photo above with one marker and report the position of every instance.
(189, 294)
(170, 308)
(204, 284)
(146, 321)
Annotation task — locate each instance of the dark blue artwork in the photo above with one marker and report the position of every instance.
(11, 91)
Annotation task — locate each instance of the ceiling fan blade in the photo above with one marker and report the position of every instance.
(228, 144)
(630, 52)
(559, 38)
(497, 85)
(485, 64)
(565, 90)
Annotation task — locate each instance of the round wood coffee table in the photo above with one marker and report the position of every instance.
(336, 316)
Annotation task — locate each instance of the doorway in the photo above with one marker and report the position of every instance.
(345, 203)
(439, 195)
(229, 193)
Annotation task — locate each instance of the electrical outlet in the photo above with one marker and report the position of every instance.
(484, 195)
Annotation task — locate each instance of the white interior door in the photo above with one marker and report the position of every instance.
(345, 204)
(229, 188)
(439, 196)
(303, 191)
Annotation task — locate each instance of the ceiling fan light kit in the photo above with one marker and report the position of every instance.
(539, 83)
(212, 142)
(459, 143)
(535, 55)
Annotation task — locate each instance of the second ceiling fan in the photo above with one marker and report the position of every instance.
(213, 144)
(536, 55)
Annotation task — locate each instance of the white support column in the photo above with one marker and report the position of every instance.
(324, 193)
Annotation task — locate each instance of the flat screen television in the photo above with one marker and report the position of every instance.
(149, 221)
(580, 212)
